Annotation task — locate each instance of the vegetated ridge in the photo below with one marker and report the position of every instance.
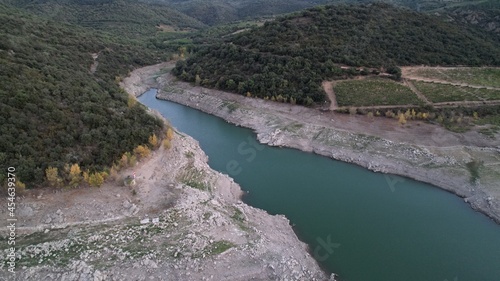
(224, 11)
(128, 18)
(288, 58)
(55, 109)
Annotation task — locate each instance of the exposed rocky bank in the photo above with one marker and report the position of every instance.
(421, 151)
(179, 221)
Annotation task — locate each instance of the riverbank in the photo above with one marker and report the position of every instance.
(420, 151)
(180, 220)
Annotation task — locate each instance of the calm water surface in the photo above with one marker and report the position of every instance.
(358, 224)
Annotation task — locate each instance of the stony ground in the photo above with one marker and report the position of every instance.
(180, 221)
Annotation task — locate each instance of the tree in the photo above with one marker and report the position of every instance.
(131, 101)
(96, 179)
(395, 71)
(153, 141)
(402, 119)
(142, 151)
(52, 176)
(75, 175)
(113, 173)
(20, 188)
(170, 134)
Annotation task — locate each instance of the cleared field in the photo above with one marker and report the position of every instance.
(372, 92)
(447, 93)
(469, 75)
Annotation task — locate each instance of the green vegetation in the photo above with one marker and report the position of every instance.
(318, 39)
(54, 111)
(486, 76)
(127, 18)
(193, 177)
(473, 168)
(224, 11)
(373, 92)
(444, 93)
(436, 92)
(215, 248)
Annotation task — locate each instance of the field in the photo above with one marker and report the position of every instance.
(373, 92)
(483, 76)
(448, 93)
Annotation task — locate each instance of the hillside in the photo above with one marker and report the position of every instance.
(485, 15)
(288, 58)
(225, 11)
(128, 18)
(56, 108)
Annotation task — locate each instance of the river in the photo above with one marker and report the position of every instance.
(359, 224)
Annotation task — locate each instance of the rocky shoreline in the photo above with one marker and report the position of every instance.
(439, 158)
(180, 220)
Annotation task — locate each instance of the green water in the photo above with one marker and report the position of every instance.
(358, 224)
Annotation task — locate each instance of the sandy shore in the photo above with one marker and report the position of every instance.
(420, 151)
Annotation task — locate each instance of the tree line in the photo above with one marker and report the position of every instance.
(291, 55)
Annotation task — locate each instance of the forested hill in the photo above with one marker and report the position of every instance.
(214, 12)
(54, 110)
(128, 18)
(485, 14)
(292, 55)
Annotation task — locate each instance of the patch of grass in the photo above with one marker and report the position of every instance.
(231, 106)
(470, 75)
(238, 215)
(473, 168)
(293, 127)
(373, 92)
(448, 93)
(490, 132)
(194, 178)
(490, 119)
(189, 154)
(216, 248)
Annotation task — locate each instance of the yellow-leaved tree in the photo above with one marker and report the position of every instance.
(170, 133)
(153, 141)
(142, 151)
(96, 179)
(52, 176)
(402, 119)
(75, 175)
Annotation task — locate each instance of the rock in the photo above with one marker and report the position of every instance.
(25, 211)
(149, 263)
(126, 204)
(144, 221)
(98, 276)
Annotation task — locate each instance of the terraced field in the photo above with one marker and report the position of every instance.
(373, 92)
(449, 93)
(483, 76)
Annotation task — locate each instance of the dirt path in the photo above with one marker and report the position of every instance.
(416, 91)
(95, 64)
(328, 87)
